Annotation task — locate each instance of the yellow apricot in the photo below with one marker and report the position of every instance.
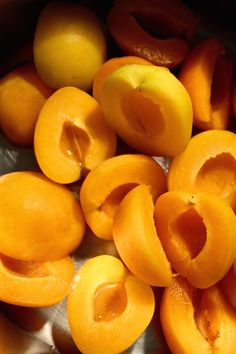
(35, 284)
(39, 219)
(22, 95)
(134, 233)
(108, 307)
(197, 321)
(69, 45)
(198, 234)
(149, 108)
(106, 185)
(71, 135)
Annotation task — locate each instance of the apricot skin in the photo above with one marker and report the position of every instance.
(105, 303)
(42, 217)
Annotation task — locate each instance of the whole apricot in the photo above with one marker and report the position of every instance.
(69, 45)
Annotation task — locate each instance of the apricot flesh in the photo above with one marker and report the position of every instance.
(197, 231)
(43, 218)
(71, 135)
(105, 298)
(106, 185)
(149, 108)
(197, 321)
(134, 232)
(35, 284)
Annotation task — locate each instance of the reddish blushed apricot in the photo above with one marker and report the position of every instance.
(207, 164)
(197, 321)
(198, 233)
(109, 67)
(35, 284)
(108, 307)
(71, 135)
(208, 75)
(134, 233)
(105, 186)
(22, 95)
(42, 218)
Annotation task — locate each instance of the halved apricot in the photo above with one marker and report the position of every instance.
(40, 220)
(198, 234)
(35, 284)
(149, 108)
(197, 321)
(105, 186)
(208, 164)
(71, 135)
(108, 307)
(208, 77)
(134, 233)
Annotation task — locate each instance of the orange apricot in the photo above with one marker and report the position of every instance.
(109, 67)
(106, 185)
(134, 232)
(208, 164)
(198, 234)
(228, 287)
(208, 75)
(197, 321)
(39, 219)
(22, 95)
(35, 284)
(71, 135)
(108, 307)
(149, 108)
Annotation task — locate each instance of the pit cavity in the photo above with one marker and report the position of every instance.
(218, 175)
(143, 114)
(207, 315)
(189, 232)
(112, 201)
(110, 301)
(74, 142)
(24, 268)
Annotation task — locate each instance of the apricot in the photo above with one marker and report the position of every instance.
(155, 30)
(69, 45)
(197, 321)
(134, 233)
(71, 135)
(208, 164)
(39, 219)
(108, 307)
(149, 108)
(22, 95)
(198, 233)
(208, 68)
(228, 286)
(106, 185)
(35, 284)
(109, 67)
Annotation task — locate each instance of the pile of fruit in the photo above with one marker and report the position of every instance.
(98, 124)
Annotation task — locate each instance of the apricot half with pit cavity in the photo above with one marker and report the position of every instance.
(71, 135)
(149, 108)
(105, 186)
(108, 307)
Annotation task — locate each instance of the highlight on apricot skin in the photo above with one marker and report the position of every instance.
(134, 233)
(39, 220)
(109, 67)
(35, 284)
(149, 108)
(71, 135)
(198, 234)
(197, 321)
(22, 95)
(107, 302)
(208, 164)
(208, 67)
(105, 186)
